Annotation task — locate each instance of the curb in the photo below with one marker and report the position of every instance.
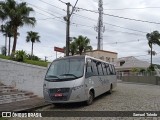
(32, 108)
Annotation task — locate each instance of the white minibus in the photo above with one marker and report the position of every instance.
(77, 79)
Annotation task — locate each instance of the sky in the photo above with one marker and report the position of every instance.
(126, 37)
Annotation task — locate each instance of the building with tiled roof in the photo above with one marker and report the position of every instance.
(126, 64)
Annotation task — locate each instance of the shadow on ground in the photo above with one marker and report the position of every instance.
(78, 104)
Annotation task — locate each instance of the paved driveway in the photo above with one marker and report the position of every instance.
(126, 97)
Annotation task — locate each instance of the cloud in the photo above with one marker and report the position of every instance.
(53, 31)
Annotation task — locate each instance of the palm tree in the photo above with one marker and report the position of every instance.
(4, 29)
(32, 37)
(73, 47)
(8, 32)
(18, 15)
(82, 44)
(153, 38)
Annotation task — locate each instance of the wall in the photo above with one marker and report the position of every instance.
(22, 76)
(104, 55)
(142, 79)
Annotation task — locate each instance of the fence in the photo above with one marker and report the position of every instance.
(139, 77)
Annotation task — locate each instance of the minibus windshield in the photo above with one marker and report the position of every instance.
(66, 69)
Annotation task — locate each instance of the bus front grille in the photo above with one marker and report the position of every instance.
(65, 92)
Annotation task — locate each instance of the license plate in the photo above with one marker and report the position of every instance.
(58, 95)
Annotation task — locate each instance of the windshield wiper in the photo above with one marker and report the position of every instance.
(52, 76)
(69, 75)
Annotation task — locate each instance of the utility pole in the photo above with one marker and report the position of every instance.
(100, 28)
(45, 58)
(67, 19)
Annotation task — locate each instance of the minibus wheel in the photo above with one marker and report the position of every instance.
(110, 90)
(90, 99)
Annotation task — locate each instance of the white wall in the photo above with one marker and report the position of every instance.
(23, 76)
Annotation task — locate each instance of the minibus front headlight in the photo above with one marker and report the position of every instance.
(77, 87)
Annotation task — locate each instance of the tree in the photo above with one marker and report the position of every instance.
(82, 44)
(8, 32)
(73, 48)
(32, 37)
(153, 38)
(20, 55)
(18, 15)
(4, 31)
(3, 50)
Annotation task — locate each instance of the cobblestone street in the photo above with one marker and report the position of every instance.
(126, 97)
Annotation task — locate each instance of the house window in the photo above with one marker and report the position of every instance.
(122, 62)
(102, 58)
(107, 59)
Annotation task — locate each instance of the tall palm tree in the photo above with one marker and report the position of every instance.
(18, 15)
(8, 32)
(73, 47)
(153, 38)
(32, 37)
(4, 29)
(82, 44)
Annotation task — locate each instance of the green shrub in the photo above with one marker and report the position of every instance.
(20, 55)
(151, 68)
(33, 57)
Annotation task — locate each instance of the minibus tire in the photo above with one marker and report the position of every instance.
(90, 99)
(110, 90)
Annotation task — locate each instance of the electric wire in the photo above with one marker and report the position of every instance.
(138, 20)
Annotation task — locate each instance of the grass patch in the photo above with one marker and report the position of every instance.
(32, 62)
(39, 63)
(4, 57)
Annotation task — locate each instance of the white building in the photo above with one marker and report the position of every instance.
(126, 64)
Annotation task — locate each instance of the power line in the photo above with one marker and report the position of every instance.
(104, 22)
(93, 19)
(44, 10)
(123, 42)
(111, 24)
(74, 7)
(133, 8)
(77, 25)
(119, 16)
(125, 32)
(52, 5)
(62, 1)
(45, 18)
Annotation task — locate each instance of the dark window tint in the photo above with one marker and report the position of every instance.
(108, 69)
(99, 66)
(89, 71)
(94, 67)
(104, 69)
(113, 68)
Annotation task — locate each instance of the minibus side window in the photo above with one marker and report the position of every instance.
(89, 70)
(104, 68)
(108, 70)
(111, 70)
(94, 67)
(99, 66)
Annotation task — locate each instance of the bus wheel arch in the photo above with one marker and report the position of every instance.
(91, 97)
